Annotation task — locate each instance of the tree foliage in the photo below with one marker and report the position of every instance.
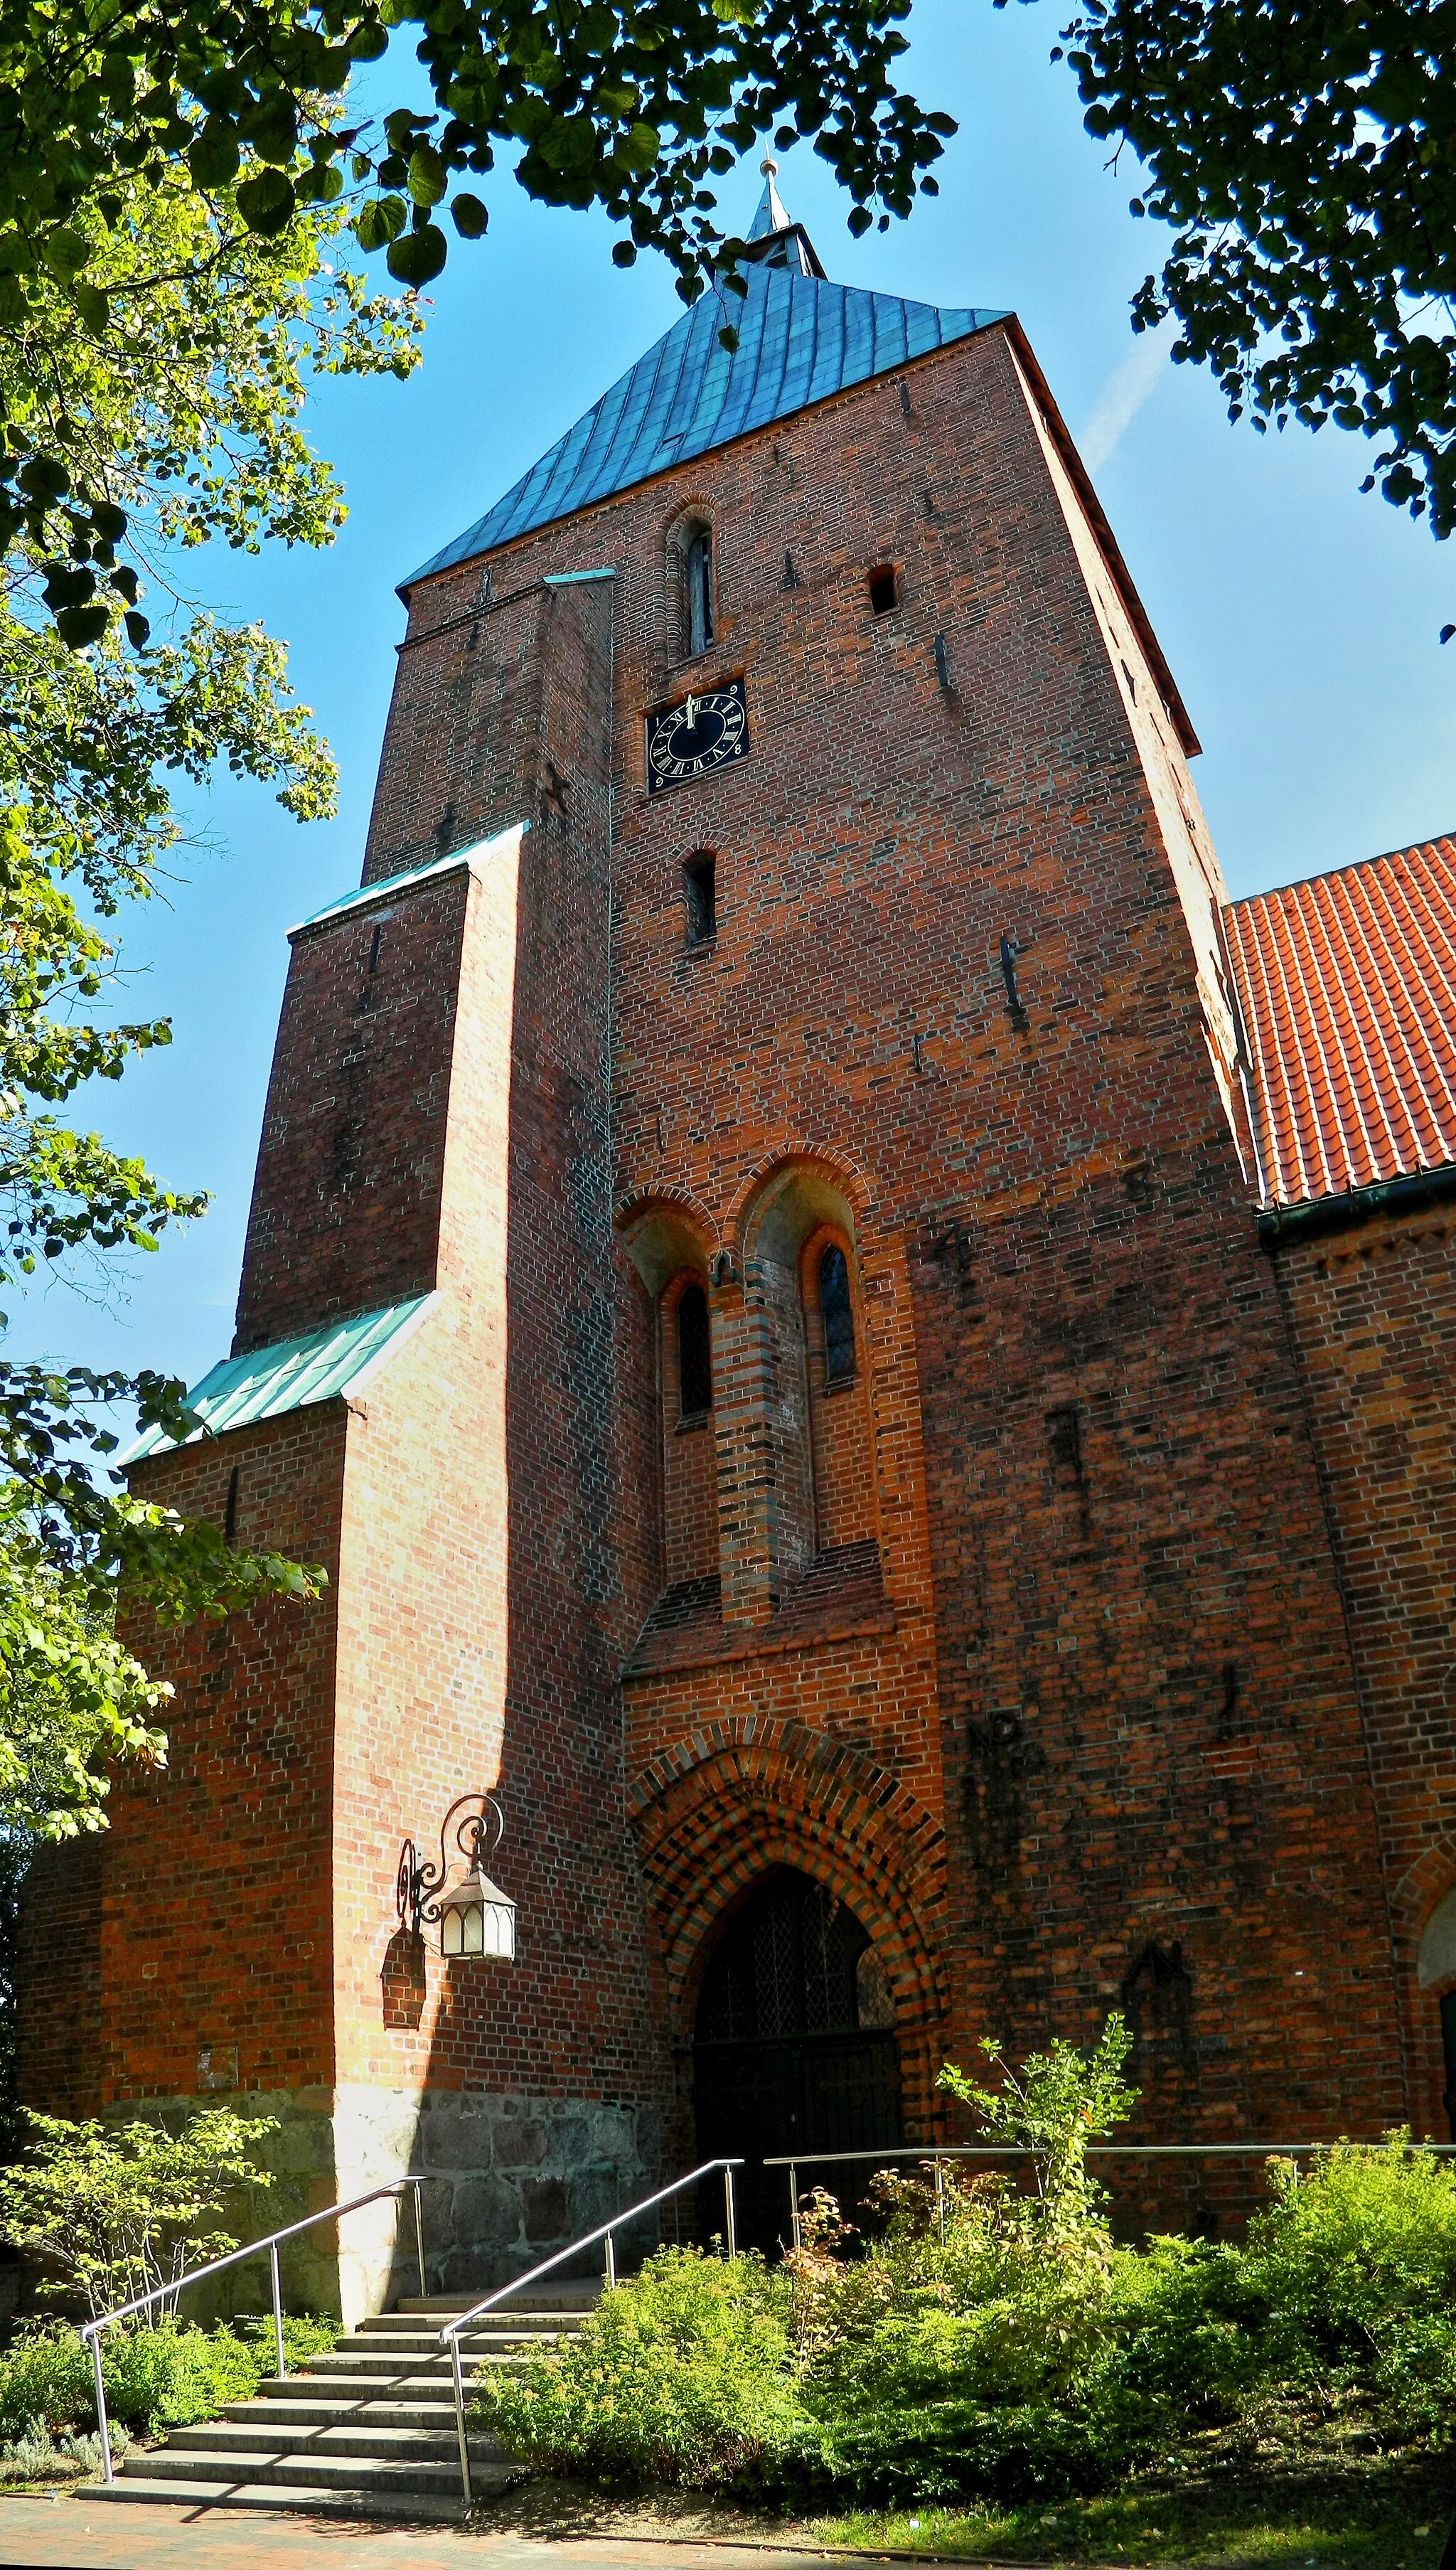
(1305, 158)
(244, 109)
(190, 408)
(116, 2214)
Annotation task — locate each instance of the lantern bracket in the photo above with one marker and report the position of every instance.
(420, 1883)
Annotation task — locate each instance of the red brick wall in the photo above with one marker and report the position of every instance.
(216, 1929)
(346, 1200)
(57, 2031)
(1373, 1316)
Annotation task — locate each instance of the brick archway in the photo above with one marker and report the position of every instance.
(717, 1811)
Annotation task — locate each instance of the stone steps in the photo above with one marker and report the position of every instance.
(369, 2429)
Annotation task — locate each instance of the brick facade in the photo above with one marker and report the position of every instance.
(1029, 1636)
(1372, 1312)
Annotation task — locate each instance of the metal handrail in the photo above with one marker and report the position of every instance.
(272, 2241)
(451, 2334)
(793, 2161)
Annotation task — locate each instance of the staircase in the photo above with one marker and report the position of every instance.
(368, 2431)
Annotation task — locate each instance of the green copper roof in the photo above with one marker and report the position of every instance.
(799, 340)
(385, 887)
(326, 1364)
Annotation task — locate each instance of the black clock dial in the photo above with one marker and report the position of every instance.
(692, 738)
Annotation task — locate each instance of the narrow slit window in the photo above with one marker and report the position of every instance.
(838, 1314)
(698, 566)
(700, 897)
(694, 1355)
(883, 590)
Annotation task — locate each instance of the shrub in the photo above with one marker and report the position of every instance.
(961, 2350)
(45, 2383)
(993, 2342)
(1356, 2261)
(154, 2378)
(37, 2455)
(685, 2375)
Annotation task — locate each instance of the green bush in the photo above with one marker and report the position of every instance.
(173, 2376)
(994, 2342)
(1357, 2261)
(685, 2375)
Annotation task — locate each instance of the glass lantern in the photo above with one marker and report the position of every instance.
(477, 1918)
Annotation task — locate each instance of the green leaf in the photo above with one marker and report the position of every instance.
(570, 143)
(470, 217)
(65, 252)
(216, 156)
(429, 176)
(93, 306)
(639, 146)
(418, 257)
(68, 584)
(320, 185)
(266, 202)
(380, 221)
(138, 627)
(78, 626)
(45, 477)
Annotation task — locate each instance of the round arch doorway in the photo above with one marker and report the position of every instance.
(794, 2046)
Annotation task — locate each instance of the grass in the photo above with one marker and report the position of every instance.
(1154, 2529)
(1248, 2504)
(1301, 2493)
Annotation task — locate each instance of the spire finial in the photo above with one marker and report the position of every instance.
(771, 216)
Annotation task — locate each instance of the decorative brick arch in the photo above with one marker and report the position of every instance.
(797, 1153)
(663, 1230)
(717, 1810)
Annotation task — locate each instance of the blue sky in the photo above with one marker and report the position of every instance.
(1299, 617)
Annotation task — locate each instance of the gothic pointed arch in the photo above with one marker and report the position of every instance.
(716, 1809)
(820, 1173)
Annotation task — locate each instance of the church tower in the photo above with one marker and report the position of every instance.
(752, 1294)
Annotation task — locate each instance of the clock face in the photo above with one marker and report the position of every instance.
(693, 739)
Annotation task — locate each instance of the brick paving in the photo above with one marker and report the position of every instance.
(73, 2534)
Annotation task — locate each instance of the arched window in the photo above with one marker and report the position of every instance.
(838, 1314)
(694, 1354)
(697, 563)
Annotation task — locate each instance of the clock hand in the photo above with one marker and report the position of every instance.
(692, 713)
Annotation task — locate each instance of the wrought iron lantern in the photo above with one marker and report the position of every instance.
(475, 1917)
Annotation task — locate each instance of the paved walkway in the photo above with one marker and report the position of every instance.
(67, 2534)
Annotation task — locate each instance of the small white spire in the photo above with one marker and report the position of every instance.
(771, 216)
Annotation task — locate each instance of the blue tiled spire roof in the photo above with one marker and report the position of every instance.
(799, 340)
(771, 215)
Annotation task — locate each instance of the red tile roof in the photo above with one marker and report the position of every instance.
(1347, 984)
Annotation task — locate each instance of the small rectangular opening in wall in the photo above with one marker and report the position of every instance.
(700, 897)
(883, 590)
